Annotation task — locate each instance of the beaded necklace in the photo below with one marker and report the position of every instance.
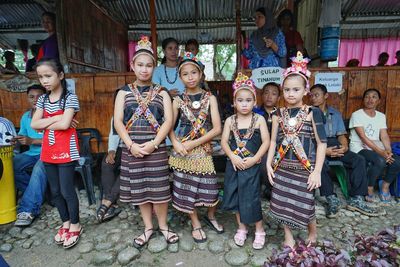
(241, 140)
(166, 75)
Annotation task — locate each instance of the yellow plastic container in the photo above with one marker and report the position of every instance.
(8, 208)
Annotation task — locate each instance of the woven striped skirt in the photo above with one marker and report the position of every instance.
(291, 203)
(145, 180)
(193, 190)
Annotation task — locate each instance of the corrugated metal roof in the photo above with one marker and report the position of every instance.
(362, 8)
(184, 11)
(17, 15)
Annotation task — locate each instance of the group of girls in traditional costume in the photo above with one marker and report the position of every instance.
(144, 116)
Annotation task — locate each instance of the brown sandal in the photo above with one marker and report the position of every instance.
(171, 237)
(141, 240)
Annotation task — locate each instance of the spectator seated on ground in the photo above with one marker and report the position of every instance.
(338, 150)
(30, 176)
(369, 138)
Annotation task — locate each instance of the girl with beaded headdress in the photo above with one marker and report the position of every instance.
(143, 118)
(296, 155)
(245, 140)
(195, 181)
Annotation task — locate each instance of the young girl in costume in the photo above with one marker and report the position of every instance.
(195, 182)
(54, 114)
(296, 155)
(143, 118)
(245, 140)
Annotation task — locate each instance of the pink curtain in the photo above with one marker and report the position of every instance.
(368, 50)
(131, 47)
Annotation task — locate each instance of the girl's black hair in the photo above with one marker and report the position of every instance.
(372, 90)
(58, 68)
(164, 44)
(285, 13)
(7, 54)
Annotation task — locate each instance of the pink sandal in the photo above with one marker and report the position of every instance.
(259, 240)
(240, 237)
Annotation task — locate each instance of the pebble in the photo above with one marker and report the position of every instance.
(157, 244)
(237, 257)
(186, 243)
(27, 244)
(85, 247)
(216, 246)
(29, 231)
(103, 259)
(15, 231)
(104, 246)
(114, 237)
(100, 238)
(123, 215)
(80, 263)
(127, 255)
(173, 248)
(6, 247)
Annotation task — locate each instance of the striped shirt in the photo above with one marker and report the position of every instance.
(52, 107)
(7, 131)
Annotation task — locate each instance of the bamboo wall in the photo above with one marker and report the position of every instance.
(95, 93)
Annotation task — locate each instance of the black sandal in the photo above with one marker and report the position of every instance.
(209, 222)
(143, 242)
(199, 240)
(169, 238)
(111, 213)
(101, 211)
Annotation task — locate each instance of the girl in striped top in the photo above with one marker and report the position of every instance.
(54, 114)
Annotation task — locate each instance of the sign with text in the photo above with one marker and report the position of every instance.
(332, 80)
(261, 76)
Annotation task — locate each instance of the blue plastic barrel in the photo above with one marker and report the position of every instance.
(330, 43)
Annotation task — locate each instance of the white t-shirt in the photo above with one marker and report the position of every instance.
(371, 125)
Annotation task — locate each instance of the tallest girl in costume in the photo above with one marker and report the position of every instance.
(143, 123)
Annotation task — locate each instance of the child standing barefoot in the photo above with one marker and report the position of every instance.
(296, 155)
(54, 114)
(195, 182)
(143, 118)
(245, 140)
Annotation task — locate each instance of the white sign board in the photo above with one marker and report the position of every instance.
(332, 80)
(71, 85)
(261, 76)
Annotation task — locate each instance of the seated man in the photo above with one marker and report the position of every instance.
(32, 184)
(338, 149)
(110, 170)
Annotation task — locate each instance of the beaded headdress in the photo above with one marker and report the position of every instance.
(189, 57)
(299, 67)
(243, 82)
(143, 46)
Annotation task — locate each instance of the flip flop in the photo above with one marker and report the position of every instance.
(62, 232)
(210, 222)
(199, 240)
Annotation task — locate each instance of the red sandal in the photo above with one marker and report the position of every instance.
(62, 232)
(75, 236)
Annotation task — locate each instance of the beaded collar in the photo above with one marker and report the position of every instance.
(241, 140)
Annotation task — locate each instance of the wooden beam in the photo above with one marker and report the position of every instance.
(61, 35)
(349, 10)
(238, 35)
(153, 25)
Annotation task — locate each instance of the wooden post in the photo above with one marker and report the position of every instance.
(238, 35)
(153, 25)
